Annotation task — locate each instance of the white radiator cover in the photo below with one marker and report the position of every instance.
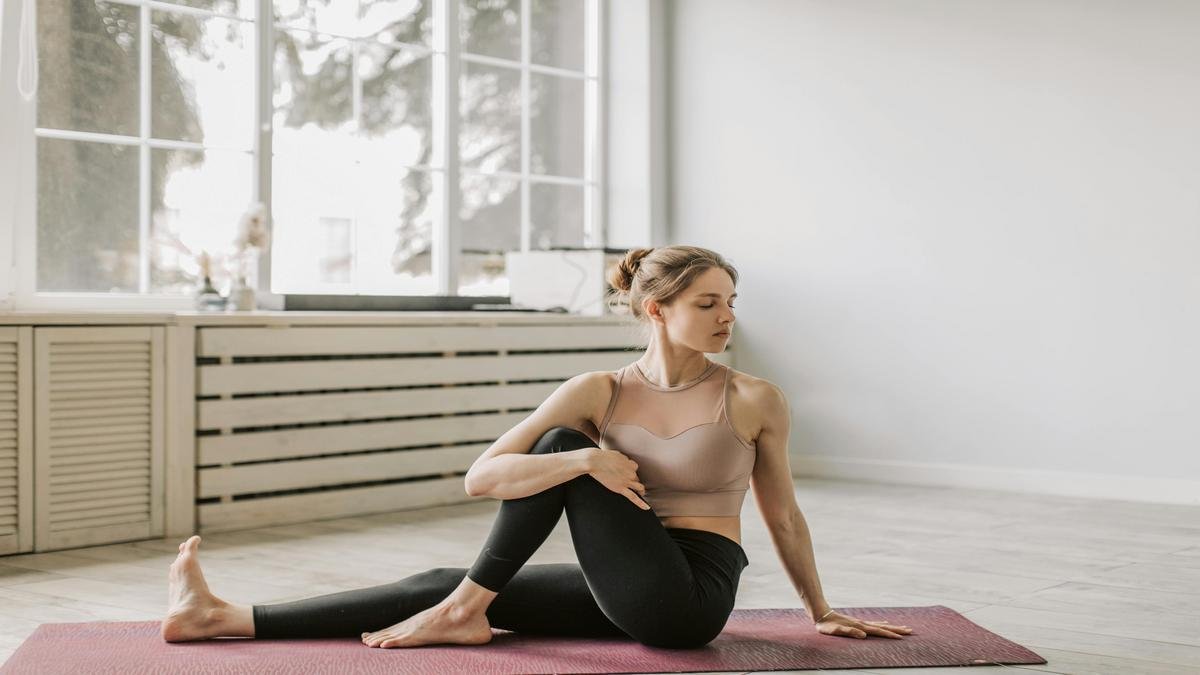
(300, 423)
(16, 447)
(98, 440)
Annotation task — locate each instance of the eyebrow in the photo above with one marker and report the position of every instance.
(715, 295)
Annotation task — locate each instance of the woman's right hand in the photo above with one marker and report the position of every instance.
(618, 473)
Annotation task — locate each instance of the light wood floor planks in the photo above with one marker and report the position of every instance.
(1093, 586)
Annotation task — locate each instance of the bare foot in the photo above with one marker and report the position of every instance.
(194, 611)
(441, 624)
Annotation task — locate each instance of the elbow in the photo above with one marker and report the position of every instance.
(473, 487)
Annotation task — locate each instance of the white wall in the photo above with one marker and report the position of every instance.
(968, 232)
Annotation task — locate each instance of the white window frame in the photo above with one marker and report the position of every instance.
(18, 222)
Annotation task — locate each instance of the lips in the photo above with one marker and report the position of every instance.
(721, 335)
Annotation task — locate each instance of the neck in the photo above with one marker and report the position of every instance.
(668, 368)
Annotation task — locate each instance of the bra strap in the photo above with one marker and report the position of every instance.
(612, 404)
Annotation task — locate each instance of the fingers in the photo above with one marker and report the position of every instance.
(636, 500)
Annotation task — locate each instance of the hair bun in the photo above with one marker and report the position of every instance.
(622, 274)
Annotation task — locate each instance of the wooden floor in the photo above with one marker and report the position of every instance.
(1092, 586)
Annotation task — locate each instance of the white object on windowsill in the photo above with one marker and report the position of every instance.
(573, 280)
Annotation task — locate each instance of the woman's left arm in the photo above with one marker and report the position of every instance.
(774, 492)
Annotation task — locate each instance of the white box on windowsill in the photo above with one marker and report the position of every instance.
(570, 279)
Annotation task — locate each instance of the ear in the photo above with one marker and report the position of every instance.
(652, 310)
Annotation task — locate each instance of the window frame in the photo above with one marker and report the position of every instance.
(18, 281)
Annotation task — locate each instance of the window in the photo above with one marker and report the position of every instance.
(403, 146)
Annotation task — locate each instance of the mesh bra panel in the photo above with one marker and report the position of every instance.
(689, 457)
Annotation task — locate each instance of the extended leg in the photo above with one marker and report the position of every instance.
(541, 599)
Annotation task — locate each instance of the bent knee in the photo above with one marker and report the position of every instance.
(678, 634)
(683, 639)
(559, 439)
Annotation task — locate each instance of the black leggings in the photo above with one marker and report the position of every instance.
(665, 587)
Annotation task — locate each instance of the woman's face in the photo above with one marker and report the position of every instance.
(701, 317)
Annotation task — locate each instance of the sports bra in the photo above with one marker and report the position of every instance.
(689, 457)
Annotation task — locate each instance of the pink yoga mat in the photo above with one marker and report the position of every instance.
(753, 639)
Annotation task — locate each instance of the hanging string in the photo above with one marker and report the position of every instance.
(27, 66)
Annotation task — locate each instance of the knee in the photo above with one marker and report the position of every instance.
(560, 439)
(680, 633)
(440, 577)
(678, 639)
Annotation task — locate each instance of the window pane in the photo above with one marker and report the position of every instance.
(393, 253)
(558, 33)
(390, 21)
(242, 8)
(186, 219)
(490, 27)
(556, 124)
(312, 217)
(87, 232)
(338, 17)
(490, 212)
(313, 96)
(490, 133)
(396, 106)
(203, 80)
(88, 66)
(556, 215)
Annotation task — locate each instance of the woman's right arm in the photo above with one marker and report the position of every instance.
(506, 470)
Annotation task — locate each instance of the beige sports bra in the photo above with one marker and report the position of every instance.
(689, 457)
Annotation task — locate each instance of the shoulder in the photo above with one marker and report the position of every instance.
(756, 402)
(595, 389)
(753, 390)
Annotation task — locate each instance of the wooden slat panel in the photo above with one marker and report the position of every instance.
(70, 497)
(100, 458)
(374, 435)
(98, 431)
(98, 478)
(16, 440)
(408, 339)
(79, 418)
(244, 378)
(68, 490)
(109, 529)
(69, 445)
(139, 372)
(276, 476)
(67, 515)
(93, 470)
(90, 404)
(99, 434)
(366, 405)
(331, 504)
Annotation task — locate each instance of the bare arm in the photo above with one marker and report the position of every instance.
(506, 470)
(774, 492)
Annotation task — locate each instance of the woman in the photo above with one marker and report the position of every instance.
(650, 463)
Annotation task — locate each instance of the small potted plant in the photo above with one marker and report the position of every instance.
(208, 297)
(251, 239)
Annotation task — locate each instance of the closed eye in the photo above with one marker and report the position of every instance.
(711, 306)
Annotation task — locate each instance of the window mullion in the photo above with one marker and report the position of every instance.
(447, 238)
(144, 151)
(264, 31)
(526, 51)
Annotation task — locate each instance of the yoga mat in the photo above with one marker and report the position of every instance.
(753, 639)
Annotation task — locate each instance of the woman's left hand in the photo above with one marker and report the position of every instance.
(848, 626)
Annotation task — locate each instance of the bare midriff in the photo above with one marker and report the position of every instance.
(727, 526)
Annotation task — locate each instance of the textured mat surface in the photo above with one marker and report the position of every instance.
(753, 639)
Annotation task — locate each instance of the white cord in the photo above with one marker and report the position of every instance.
(27, 66)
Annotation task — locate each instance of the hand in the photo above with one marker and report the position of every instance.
(840, 624)
(618, 473)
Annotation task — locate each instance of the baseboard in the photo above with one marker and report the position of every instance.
(1036, 481)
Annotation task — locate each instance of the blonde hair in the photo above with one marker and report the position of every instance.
(661, 274)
